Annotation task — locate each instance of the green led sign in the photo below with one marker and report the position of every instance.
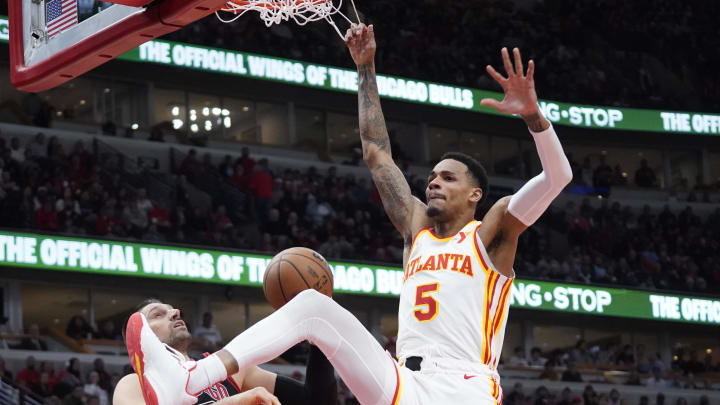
(294, 72)
(235, 268)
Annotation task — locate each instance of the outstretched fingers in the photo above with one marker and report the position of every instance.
(506, 61)
(531, 70)
(495, 75)
(490, 102)
(518, 62)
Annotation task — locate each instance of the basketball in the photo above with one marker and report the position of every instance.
(294, 270)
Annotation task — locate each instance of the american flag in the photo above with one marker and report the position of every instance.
(60, 15)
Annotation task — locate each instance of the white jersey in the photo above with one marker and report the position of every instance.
(453, 304)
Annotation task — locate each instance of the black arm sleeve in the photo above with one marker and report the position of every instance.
(320, 386)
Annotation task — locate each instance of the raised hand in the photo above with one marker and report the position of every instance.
(360, 40)
(519, 87)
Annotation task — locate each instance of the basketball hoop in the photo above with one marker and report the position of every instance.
(277, 11)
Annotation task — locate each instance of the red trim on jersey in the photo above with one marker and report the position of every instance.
(396, 396)
(489, 295)
(432, 232)
(478, 251)
(412, 246)
(500, 310)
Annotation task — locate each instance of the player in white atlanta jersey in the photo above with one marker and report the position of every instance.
(453, 304)
(458, 274)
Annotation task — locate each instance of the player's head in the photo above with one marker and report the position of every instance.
(455, 186)
(166, 322)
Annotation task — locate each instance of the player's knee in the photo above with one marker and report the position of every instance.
(312, 301)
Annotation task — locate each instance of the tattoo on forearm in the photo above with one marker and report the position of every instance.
(536, 122)
(394, 191)
(372, 122)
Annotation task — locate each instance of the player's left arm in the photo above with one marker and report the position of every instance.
(319, 388)
(511, 215)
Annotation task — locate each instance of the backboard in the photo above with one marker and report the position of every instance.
(53, 41)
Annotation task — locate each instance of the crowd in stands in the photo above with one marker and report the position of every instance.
(69, 386)
(616, 53)
(96, 385)
(44, 188)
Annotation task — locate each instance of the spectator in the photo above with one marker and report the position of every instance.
(656, 381)
(571, 373)
(565, 398)
(33, 340)
(226, 167)
(614, 397)
(28, 376)
(17, 151)
(37, 148)
(518, 358)
(660, 399)
(48, 368)
(643, 363)
(209, 333)
(46, 218)
(43, 388)
(5, 374)
(549, 373)
(516, 396)
(589, 395)
(240, 178)
(68, 379)
(79, 328)
(261, 185)
(103, 376)
(579, 353)
(536, 358)
(542, 396)
(108, 331)
(645, 176)
(245, 160)
(136, 215)
(221, 223)
(92, 388)
(143, 202)
(190, 164)
(76, 396)
(626, 357)
(160, 216)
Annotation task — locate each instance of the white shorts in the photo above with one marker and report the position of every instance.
(443, 382)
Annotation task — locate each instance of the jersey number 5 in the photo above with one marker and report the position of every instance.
(423, 298)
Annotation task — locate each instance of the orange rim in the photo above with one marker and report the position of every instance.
(270, 5)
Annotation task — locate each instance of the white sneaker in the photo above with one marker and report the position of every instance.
(163, 373)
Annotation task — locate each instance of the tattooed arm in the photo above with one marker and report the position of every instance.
(406, 212)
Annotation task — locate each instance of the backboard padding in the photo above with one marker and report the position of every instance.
(58, 61)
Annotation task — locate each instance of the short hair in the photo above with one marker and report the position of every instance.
(145, 303)
(138, 307)
(476, 170)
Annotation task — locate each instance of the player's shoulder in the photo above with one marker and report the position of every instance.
(128, 391)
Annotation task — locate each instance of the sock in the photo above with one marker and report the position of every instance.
(206, 373)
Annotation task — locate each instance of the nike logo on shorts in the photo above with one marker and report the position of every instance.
(467, 377)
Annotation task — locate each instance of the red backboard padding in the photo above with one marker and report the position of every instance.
(102, 46)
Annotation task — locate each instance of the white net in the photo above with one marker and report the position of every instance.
(277, 11)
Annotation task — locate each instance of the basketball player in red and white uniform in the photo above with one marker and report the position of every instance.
(251, 386)
(458, 274)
